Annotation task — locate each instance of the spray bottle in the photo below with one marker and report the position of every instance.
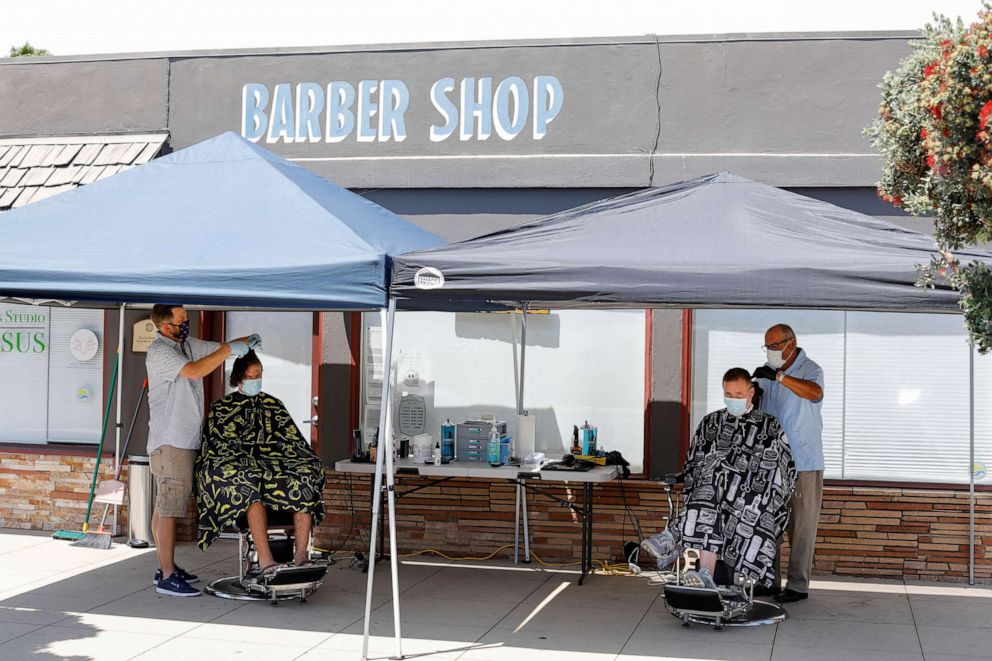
(448, 440)
(493, 447)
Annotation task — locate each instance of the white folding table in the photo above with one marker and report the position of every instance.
(523, 478)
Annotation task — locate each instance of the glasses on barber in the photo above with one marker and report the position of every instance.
(775, 346)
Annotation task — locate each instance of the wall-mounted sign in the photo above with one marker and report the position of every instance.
(83, 344)
(376, 110)
(23, 330)
(142, 335)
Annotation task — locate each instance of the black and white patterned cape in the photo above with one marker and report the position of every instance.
(739, 478)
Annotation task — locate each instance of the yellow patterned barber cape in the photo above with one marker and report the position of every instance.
(252, 451)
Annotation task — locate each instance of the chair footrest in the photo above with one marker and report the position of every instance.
(294, 575)
(696, 600)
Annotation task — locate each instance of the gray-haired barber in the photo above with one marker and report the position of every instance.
(793, 386)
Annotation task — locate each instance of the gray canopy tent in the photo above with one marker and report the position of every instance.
(719, 241)
(716, 241)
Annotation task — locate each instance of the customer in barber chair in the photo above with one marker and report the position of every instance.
(739, 475)
(254, 457)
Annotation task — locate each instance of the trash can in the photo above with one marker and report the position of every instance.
(141, 498)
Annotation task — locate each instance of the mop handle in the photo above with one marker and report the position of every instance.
(99, 450)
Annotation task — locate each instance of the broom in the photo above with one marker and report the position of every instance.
(111, 492)
(74, 534)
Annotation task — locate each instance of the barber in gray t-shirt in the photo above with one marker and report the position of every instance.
(176, 365)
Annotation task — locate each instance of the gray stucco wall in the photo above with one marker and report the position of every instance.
(783, 109)
(40, 97)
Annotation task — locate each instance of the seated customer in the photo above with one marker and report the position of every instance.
(739, 475)
(253, 457)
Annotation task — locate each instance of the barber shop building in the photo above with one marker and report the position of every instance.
(464, 139)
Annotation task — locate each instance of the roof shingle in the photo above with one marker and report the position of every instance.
(32, 169)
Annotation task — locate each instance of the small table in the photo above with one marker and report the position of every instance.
(522, 477)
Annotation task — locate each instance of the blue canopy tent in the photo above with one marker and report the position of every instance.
(223, 223)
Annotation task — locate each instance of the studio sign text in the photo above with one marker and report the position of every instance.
(375, 110)
(22, 341)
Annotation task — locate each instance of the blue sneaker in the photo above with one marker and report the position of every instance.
(175, 586)
(185, 575)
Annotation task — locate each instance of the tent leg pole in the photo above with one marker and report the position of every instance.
(521, 491)
(120, 369)
(516, 393)
(516, 365)
(385, 403)
(523, 496)
(971, 464)
(120, 390)
(516, 528)
(523, 358)
(387, 447)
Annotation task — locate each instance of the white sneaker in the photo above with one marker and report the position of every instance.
(707, 579)
(692, 579)
(655, 547)
(663, 548)
(698, 579)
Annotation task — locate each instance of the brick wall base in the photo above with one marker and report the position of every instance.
(867, 532)
(50, 492)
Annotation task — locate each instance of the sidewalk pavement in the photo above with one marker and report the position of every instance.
(62, 602)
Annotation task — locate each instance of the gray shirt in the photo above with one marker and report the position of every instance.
(175, 403)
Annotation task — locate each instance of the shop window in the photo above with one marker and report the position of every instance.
(286, 355)
(580, 365)
(51, 374)
(896, 404)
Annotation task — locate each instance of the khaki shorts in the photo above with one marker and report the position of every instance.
(173, 471)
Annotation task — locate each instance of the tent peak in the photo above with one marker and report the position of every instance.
(228, 146)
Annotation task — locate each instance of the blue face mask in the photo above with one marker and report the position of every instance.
(251, 387)
(735, 407)
(182, 331)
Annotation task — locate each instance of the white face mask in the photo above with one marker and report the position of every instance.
(251, 387)
(776, 358)
(735, 407)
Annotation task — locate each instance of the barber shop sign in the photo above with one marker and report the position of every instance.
(376, 110)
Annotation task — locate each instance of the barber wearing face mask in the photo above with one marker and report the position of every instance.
(793, 386)
(176, 365)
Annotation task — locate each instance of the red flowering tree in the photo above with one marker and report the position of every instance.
(934, 133)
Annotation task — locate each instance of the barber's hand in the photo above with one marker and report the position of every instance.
(238, 347)
(254, 341)
(765, 372)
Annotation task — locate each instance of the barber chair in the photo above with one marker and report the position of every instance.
(282, 584)
(731, 604)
